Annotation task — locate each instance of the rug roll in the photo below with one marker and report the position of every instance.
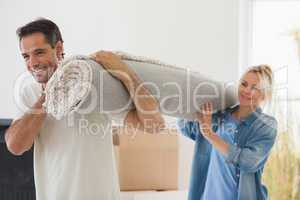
(82, 85)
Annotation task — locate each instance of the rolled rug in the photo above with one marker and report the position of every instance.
(84, 86)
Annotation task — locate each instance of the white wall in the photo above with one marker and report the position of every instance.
(201, 34)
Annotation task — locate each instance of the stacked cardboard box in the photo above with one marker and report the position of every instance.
(147, 161)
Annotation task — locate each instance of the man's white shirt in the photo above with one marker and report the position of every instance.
(73, 157)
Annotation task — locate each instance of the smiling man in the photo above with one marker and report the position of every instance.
(70, 163)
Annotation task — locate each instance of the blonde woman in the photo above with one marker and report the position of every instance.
(232, 147)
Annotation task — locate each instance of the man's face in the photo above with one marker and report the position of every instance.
(41, 59)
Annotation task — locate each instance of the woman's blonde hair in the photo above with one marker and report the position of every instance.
(265, 75)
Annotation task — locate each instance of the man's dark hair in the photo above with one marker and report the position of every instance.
(44, 26)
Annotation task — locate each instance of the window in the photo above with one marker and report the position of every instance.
(275, 40)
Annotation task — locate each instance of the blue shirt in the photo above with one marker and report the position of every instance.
(222, 179)
(254, 139)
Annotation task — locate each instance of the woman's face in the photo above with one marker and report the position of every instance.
(250, 92)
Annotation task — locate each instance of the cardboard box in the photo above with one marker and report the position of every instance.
(147, 161)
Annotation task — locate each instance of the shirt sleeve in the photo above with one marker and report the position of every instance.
(22, 105)
(18, 114)
(188, 128)
(28, 95)
(254, 154)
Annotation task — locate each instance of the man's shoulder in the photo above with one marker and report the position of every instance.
(25, 96)
(32, 88)
(28, 93)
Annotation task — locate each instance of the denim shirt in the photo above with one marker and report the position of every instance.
(254, 139)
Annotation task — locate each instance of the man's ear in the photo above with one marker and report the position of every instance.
(59, 48)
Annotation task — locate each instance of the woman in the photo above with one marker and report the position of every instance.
(232, 146)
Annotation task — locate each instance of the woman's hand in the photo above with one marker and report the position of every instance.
(112, 63)
(205, 119)
(205, 123)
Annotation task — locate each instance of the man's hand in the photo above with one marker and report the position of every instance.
(38, 106)
(205, 119)
(146, 114)
(112, 63)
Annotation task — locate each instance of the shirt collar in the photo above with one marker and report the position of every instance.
(250, 118)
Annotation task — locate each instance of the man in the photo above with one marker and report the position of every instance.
(71, 162)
